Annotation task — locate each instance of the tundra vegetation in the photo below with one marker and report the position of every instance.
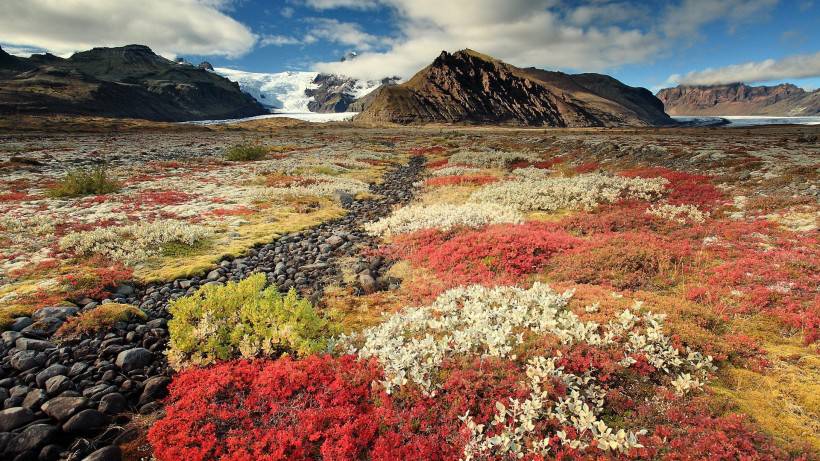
(619, 294)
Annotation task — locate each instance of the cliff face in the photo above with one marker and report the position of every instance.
(469, 87)
(740, 99)
(129, 81)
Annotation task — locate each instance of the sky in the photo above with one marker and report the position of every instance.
(649, 43)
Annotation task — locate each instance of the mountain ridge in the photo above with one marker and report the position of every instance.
(784, 99)
(128, 81)
(471, 87)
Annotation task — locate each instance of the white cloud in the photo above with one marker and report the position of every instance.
(331, 4)
(169, 27)
(346, 33)
(791, 67)
(278, 40)
(590, 36)
(524, 32)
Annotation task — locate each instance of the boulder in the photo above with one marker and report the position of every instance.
(12, 418)
(85, 422)
(131, 359)
(62, 408)
(32, 438)
(50, 372)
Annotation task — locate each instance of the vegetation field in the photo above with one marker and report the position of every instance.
(535, 294)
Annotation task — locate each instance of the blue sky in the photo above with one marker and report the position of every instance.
(649, 43)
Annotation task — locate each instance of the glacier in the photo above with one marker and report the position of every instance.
(284, 92)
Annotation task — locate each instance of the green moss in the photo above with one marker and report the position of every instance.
(79, 182)
(178, 250)
(245, 153)
(243, 319)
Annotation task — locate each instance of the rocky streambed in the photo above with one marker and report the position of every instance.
(70, 399)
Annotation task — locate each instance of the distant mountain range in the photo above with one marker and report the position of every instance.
(128, 81)
(470, 87)
(462, 87)
(741, 99)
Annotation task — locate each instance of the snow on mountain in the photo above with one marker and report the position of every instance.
(285, 91)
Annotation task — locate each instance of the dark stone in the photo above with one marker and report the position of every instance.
(58, 384)
(28, 344)
(85, 422)
(34, 399)
(43, 328)
(20, 323)
(50, 453)
(12, 418)
(32, 438)
(109, 453)
(62, 408)
(26, 360)
(10, 337)
(155, 388)
(113, 403)
(50, 372)
(60, 312)
(131, 359)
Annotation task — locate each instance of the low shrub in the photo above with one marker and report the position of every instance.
(683, 188)
(585, 191)
(79, 182)
(501, 253)
(624, 261)
(243, 319)
(443, 217)
(100, 318)
(245, 152)
(316, 408)
(94, 282)
(460, 180)
(133, 243)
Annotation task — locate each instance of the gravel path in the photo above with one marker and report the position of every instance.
(70, 399)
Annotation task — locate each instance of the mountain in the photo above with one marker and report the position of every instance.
(301, 91)
(128, 81)
(741, 99)
(470, 87)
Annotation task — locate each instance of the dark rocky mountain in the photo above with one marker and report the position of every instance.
(741, 99)
(469, 87)
(128, 81)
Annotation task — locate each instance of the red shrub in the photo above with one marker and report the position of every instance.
(624, 261)
(162, 197)
(691, 432)
(427, 150)
(496, 254)
(317, 408)
(460, 180)
(438, 164)
(95, 282)
(587, 167)
(683, 188)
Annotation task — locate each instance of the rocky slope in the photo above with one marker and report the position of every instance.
(741, 99)
(469, 87)
(129, 81)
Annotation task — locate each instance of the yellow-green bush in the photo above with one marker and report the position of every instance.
(245, 152)
(81, 182)
(243, 319)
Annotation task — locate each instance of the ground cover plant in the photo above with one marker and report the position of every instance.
(545, 294)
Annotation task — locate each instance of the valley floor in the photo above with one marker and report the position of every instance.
(456, 293)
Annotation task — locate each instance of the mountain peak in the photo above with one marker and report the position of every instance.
(471, 87)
